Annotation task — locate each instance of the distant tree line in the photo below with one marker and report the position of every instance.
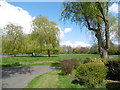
(113, 50)
(44, 38)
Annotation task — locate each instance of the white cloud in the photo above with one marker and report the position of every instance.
(67, 43)
(76, 44)
(66, 30)
(114, 8)
(61, 33)
(13, 14)
(81, 44)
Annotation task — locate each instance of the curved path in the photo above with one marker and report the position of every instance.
(18, 77)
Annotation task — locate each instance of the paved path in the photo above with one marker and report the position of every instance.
(18, 77)
(113, 57)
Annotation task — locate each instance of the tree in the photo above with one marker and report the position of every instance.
(12, 40)
(84, 50)
(29, 45)
(113, 49)
(76, 50)
(94, 49)
(81, 50)
(93, 15)
(46, 33)
(67, 49)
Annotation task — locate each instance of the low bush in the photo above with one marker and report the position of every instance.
(68, 65)
(88, 60)
(95, 60)
(91, 74)
(113, 69)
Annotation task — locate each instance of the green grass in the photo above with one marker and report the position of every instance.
(41, 60)
(53, 79)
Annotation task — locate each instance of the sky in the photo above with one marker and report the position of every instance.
(22, 13)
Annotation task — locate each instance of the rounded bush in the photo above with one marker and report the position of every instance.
(91, 74)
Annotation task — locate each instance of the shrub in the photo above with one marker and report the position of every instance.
(68, 65)
(113, 69)
(91, 74)
(87, 60)
(95, 60)
(78, 62)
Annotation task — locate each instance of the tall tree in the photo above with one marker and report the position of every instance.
(29, 45)
(12, 40)
(46, 33)
(93, 15)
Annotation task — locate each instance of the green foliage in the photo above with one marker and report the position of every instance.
(113, 68)
(12, 41)
(30, 45)
(77, 12)
(81, 50)
(88, 60)
(45, 34)
(95, 17)
(91, 74)
(113, 49)
(68, 65)
(94, 49)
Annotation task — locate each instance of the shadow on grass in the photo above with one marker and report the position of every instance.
(35, 56)
(75, 82)
(12, 64)
(55, 65)
(113, 86)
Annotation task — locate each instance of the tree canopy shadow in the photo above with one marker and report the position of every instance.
(8, 71)
(36, 56)
(45, 56)
(11, 64)
(113, 85)
(55, 66)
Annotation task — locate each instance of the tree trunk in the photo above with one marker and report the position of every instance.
(48, 53)
(104, 49)
(101, 47)
(103, 53)
(14, 55)
(32, 54)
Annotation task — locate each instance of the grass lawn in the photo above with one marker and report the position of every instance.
(42, 60)
(54, 79)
